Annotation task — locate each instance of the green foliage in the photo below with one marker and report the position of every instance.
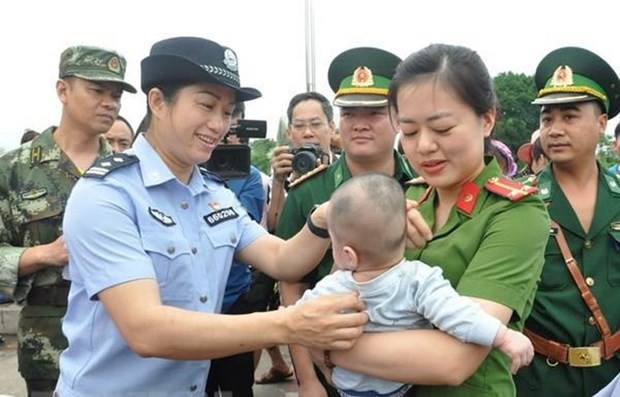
(605, 152)
(518, 118)
(261, 154)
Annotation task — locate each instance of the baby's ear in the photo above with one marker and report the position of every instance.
(351, 257)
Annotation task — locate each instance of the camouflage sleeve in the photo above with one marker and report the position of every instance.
(9, 255)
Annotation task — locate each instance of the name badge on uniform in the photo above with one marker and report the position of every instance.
(223, 215)
(34, 194)
(161, 217)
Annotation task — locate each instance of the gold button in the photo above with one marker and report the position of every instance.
(184, 205)
(171, 250)
(590, 281)
(587, 244)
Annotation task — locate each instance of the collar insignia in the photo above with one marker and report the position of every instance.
(562, 77)
(362, 77)
(161, 217)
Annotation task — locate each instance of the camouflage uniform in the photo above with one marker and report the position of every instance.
(35, 182)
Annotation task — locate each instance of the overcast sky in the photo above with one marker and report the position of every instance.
(268, 37)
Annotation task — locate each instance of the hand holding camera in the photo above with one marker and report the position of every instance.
(297, 160)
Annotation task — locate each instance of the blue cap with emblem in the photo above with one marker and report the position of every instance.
(193, 59)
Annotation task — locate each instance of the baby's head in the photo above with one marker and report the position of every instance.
(367, 222)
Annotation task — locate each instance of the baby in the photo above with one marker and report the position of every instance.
(367, 226)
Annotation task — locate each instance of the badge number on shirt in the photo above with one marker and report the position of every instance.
(223, 215)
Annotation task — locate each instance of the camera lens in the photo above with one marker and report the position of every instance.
(303, 162)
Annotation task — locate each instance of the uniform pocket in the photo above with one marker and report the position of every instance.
(42, 221)
(172, 261)
(613, 258)
(555, 275)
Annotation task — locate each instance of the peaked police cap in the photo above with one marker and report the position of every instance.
(574, 74)
(361, 76)
(194, 60)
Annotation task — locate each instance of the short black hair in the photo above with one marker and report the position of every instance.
(307, 96)
(617, 131)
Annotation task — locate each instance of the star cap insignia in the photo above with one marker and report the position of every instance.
(362, 77)
(114, 64)
(562, 77)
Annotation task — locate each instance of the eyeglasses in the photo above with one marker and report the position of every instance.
(314, 126)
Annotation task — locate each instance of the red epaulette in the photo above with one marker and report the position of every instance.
(511, 189)
(320, 168)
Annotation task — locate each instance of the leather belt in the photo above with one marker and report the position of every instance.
(53, 295)
(588, 356)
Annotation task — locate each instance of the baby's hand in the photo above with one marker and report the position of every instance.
(516, 346)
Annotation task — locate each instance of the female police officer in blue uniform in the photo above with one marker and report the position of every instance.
(151, 240)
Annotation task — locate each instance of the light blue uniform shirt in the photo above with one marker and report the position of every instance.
(140, 222)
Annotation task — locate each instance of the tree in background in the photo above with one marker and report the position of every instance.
(518, 118)
(261, 154)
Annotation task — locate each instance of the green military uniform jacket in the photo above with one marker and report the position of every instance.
(490, 248)
(316, 190)
(559, 313)
(35, 182)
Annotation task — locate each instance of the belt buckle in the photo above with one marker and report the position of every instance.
(584, 356)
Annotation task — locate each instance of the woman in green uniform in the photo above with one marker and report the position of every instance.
(488, 231)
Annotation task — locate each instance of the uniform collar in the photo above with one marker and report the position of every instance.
(44, 148)
(155, 171)
(402, 170)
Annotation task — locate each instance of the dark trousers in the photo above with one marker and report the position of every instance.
(40, 388)
(233, 376)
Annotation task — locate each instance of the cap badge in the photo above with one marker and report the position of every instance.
(114, 64)
(562, 77)
(230, 60)
(362, 77)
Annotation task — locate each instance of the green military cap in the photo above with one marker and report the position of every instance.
(361, 77)
(573, 74)
(94, 64)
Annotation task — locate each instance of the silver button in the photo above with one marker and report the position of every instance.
(184, 205)
(590, 281)
(171, 250)
(193, 388)
(233, 239)
(203, 298)
(194, 250)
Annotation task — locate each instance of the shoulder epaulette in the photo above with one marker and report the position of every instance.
(508, 188)
(211, 175)
(320, 168)
(104, 166)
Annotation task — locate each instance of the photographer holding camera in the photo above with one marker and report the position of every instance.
(310, 130)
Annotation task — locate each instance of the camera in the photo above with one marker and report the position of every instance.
(306, 158)
(232, 161)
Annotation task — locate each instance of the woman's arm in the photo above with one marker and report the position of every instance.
(429, 357)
